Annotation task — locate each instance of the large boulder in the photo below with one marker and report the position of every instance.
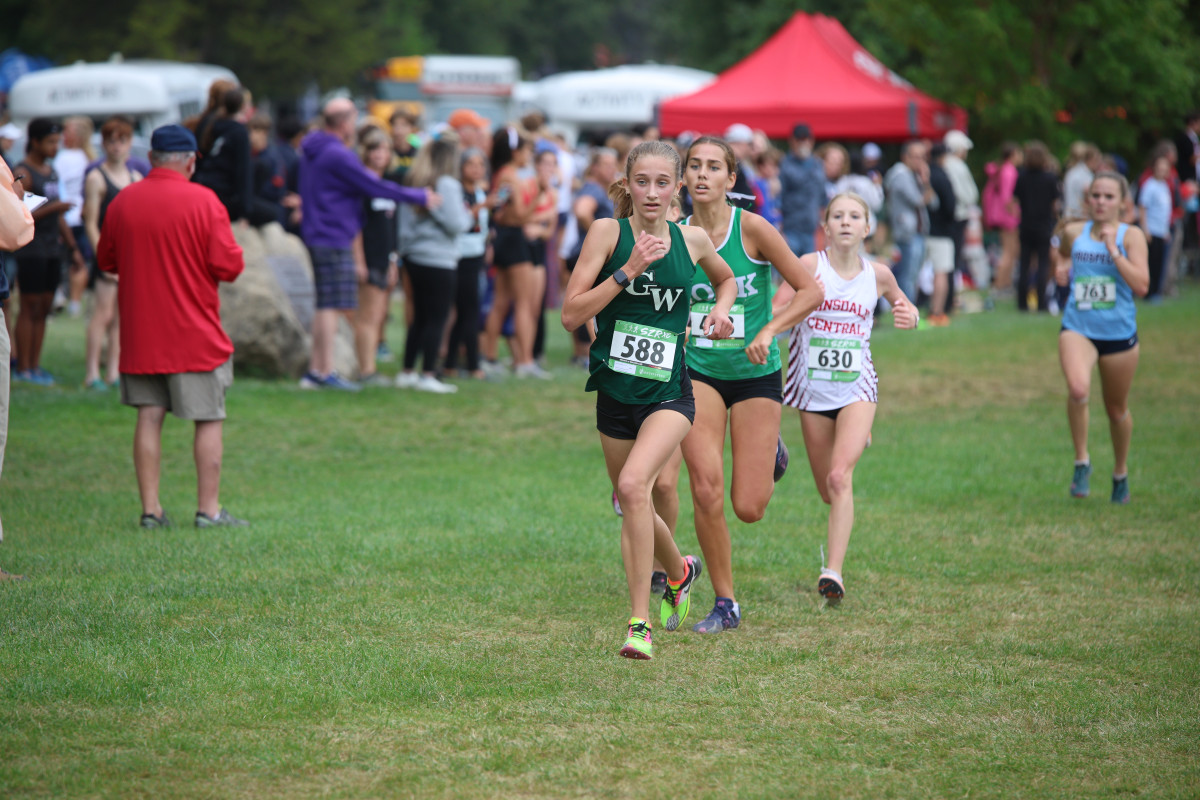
(267, 311)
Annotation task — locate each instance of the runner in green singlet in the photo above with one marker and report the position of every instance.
(633, 275)
(738, 381)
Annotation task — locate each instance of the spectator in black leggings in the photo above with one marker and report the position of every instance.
(1037, 193)
(472, 245)
(39, 263)
(429, 247)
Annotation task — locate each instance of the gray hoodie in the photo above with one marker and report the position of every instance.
(430, 238)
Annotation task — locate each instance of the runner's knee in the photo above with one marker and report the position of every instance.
(838, 481)
(633, 492)
(708, 493)
(667, 483)
(750, 509)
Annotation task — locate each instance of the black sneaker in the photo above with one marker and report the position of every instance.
(151, 521)
(658, 582)
(222, 519)
(781, 458)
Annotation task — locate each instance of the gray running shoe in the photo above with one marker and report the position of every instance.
(222, 519)
(374, 380)
(1079, 481)
(151, 521)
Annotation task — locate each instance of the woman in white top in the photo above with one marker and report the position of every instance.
(71, 164)
(831, 377)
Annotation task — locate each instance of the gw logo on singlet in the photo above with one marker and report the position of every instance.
(663, 297)
(703, 293)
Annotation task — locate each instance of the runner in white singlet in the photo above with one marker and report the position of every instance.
(831, 377)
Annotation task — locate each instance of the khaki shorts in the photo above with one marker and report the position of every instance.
(940, 251)
(198, 396)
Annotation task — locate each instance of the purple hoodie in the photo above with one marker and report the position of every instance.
(333, 183)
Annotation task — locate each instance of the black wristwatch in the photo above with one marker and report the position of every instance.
(621, 278)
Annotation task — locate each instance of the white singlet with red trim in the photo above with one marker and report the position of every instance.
(829, 353)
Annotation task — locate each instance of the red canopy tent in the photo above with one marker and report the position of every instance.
(812, 70)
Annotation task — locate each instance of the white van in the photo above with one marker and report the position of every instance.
(151, 93)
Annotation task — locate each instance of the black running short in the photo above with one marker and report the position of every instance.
(38, 275)
(1110, 347)
(511, 247)
(623, 421)
(768, 386)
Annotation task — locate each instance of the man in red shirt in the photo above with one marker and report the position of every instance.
(170, 243)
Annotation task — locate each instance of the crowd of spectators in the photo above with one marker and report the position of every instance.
(476, 223)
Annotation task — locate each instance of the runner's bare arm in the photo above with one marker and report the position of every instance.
(701, 249)
(1135, 267)
(582, 300)
(806, 292)
(904, 312)
(1066, 240)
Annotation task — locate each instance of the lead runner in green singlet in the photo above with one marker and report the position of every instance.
(633, 276)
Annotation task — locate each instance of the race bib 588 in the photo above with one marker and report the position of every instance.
(642, 350)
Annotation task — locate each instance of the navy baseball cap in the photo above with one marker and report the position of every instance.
(41, 127)
(173, 139)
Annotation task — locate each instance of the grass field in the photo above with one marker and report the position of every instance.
(430, 598)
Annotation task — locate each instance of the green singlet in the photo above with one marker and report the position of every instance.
(637, 357)
(725, 359)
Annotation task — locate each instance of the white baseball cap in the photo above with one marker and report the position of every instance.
(10, 131)
(737, 132)
(956, 141)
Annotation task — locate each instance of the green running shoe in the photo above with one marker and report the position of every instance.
(1079, 481)
(637, 644)
(675, 603)
(1120, 493)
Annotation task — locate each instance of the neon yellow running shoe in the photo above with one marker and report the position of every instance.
(637, 644)
(676, 599)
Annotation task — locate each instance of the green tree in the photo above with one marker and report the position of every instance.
(1112, 72)
(277, 47)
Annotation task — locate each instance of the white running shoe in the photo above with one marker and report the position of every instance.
(532, 370)
(407, 380)
(428, 383)
(830, 586)
(493, 369)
